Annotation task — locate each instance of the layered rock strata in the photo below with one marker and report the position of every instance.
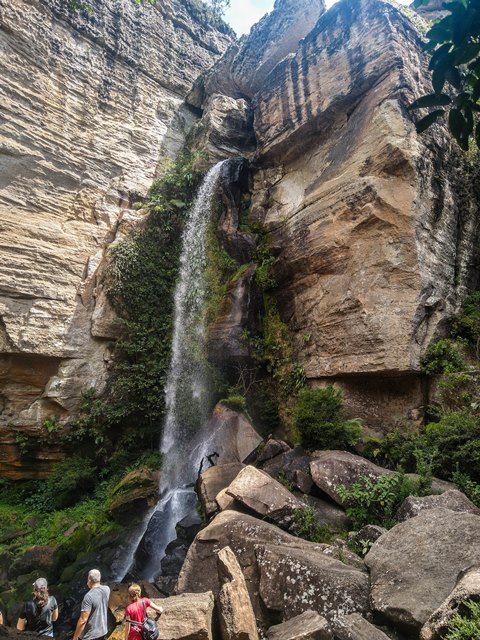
(374, 244)
(92, 104)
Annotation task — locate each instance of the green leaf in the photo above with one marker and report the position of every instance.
(457, 124)
(466, 53)
(431, 100)
(425, 122)
(476, 91)
(440, 53)
(438, 79)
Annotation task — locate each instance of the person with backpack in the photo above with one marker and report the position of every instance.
(92, 623)
(136, 612)
(39, 614)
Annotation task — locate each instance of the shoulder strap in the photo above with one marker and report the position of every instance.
(144, 609)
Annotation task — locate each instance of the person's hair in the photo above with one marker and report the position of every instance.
(134, 591)
(40, 596)
(94, 575)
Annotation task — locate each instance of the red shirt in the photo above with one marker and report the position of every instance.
(136, 612)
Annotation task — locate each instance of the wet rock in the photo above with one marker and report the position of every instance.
(188, 528)
(212, 481)
(295, 580)
(233, 435)
(355, 627)
(237, 620)
(186, 617)
(414, 566)
(308, 626)
(134, 495)
(451, 499)
(42, 558)
(175, 554)
(466, 588)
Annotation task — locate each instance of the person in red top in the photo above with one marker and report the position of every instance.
(136, 611)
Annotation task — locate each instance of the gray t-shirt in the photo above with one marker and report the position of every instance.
(96, 602)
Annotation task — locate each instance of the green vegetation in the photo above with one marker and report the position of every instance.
(450, 441)
(376, 501)
(235, 402)
(319, 418)
(455, 62)
(444, 356)
(465, 624)
(306, 525)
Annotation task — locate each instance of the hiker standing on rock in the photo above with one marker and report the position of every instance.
(39, 614)
(92, 623)
(137, 612)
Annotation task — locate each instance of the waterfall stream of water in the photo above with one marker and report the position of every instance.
(183, 443)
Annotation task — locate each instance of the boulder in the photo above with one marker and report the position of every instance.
(244, 534)
(272, 449)
(355, 627)
(452, 499)
(212, 481)
(288, 464)
(366, 536)
(332, 468)
(310, 625)
(237, 620)
(42, 558)
(265, 496)
(186, 617)
(233, 435)
(137, 492)
(467, 587)
(328, 513)
(414, 566)
(294, 580)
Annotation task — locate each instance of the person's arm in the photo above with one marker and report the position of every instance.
(82, 621)
(1, 617)
(21, 624)
(127, 630)
(156, 608)
(55, 614)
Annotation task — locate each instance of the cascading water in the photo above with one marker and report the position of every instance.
(183, 444)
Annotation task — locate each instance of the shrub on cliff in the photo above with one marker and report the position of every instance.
(320, 421)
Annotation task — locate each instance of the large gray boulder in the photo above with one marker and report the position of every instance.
(467, 587)
(331, 468)
(414, 566)
(294, 580)
(265, 496)
(235, 612)
(452, 499)
(233, 436)
(307, 626)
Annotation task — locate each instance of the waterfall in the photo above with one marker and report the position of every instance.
(187, 396)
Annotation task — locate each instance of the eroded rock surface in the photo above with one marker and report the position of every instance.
(212, 481)
(84, 129)
(415, 565)
(186, 617)
(308, 626)
(355, 627)
(452, 499)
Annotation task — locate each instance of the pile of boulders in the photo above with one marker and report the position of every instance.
(249, 565)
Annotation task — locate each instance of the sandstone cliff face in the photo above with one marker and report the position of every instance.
(91, 106)
(373, 245)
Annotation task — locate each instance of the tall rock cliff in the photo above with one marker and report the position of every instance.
(372, 226)
(92, 104)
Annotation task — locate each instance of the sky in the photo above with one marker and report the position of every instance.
(242, 14)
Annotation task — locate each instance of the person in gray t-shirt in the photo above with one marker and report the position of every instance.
(92, 623)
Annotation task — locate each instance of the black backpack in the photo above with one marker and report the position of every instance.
(149, 629)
